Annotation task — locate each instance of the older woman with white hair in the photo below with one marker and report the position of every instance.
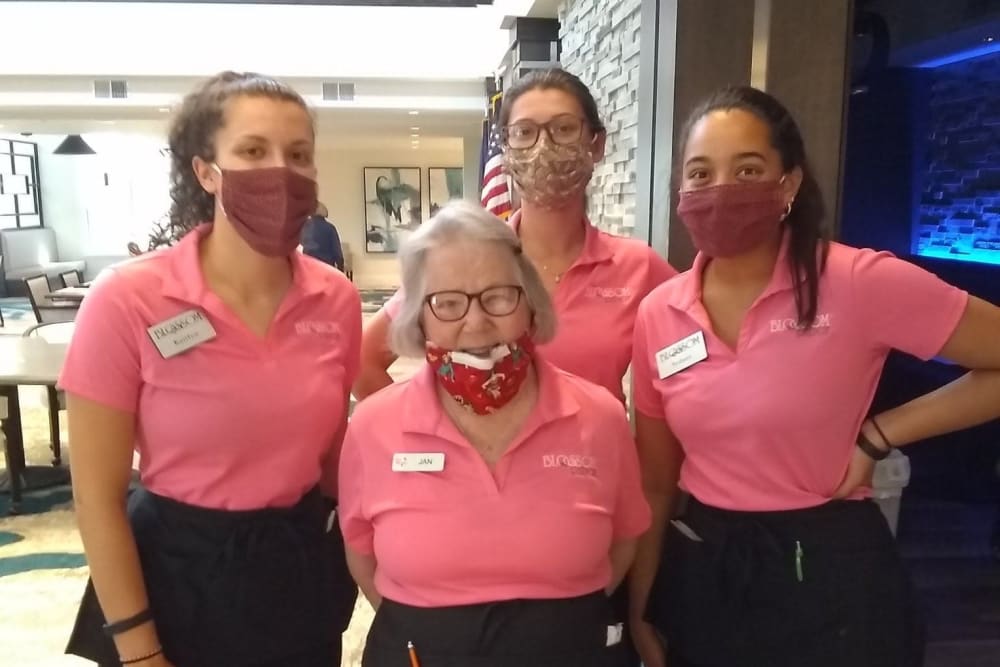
(489, 502)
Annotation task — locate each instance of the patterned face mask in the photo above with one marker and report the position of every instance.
(483, 385)
(548, 174)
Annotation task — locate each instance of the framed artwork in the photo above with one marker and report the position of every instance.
(444, 184)
(392, 206)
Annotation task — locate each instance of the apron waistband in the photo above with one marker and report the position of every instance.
(557, 631)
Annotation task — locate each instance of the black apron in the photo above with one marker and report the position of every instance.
(514, 633)
(265, 587)
(823, 587)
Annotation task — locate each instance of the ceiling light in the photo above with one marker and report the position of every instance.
(74, 145)
(415, 129)
(414, 135)
(164, 109)
(414, 113)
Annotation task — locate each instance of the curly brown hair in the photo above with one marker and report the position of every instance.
(192, 134)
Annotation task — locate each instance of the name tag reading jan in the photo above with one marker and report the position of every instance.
(418, 462)
(181, 333)
(682, 354)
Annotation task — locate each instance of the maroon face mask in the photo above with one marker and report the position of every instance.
(268, 207)
(729, 220)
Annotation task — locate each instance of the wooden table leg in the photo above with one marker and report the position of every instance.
(13, 446)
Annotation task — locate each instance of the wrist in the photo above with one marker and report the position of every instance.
(872, 443)
(137, 642)
(142, 659)
(869, 431)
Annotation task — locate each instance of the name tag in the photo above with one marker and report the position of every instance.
(682, 354)
(418, 462)
(181, 333)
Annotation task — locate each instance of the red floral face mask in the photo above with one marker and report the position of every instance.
(480, 384)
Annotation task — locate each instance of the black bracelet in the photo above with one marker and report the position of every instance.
(126, 624)
(869, 448)
(881, 433)
(132, 661)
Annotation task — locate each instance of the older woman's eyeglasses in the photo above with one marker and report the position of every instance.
(564, 129)
(451, 306)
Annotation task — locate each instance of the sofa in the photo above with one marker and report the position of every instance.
(29, 252)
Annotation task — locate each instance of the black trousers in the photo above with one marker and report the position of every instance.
(516, 633)
(823, 587)
(260, 588)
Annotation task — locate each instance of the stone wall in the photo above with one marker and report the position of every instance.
(600, 44)
(960, 204)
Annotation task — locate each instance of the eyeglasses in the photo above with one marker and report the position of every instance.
(451, 306)
(562, 130)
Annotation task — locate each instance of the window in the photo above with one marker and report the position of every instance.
(20, 203)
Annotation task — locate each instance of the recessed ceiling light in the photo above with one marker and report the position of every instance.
(415, 129)
(164, 109)
(414, 135)
(989, 39)
(414, 113)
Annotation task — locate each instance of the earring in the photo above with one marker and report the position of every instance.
(788, 210)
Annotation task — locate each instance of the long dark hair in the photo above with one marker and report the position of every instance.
(192, 134)
(809, 238)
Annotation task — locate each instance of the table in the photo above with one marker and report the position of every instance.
(25, 362)
(76, 294)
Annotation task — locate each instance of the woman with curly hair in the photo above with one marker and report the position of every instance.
(195, 355)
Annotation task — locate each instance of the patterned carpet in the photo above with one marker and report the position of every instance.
(17, 315)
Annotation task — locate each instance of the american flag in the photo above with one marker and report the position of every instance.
(496, 192)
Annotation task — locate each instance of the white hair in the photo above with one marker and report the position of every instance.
(456, 222)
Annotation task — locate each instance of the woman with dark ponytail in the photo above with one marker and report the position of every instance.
(754, 375)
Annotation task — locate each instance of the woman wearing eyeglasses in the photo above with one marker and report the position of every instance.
(489, 503)
(553, 137)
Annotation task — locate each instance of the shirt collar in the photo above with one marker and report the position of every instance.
(187, 281)
(596, 248)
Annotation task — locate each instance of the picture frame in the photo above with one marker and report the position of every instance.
(393, 206)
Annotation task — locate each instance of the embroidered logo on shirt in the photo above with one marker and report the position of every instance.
(791, 324)
(577, 464)
(316, 327)
(609, 293)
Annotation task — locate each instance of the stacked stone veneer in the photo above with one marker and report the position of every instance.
(960, 202)
(600, 44)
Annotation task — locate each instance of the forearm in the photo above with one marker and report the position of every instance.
(622, 556)
(362, 569)
(647, 554)
(116, 572)
(971, 400)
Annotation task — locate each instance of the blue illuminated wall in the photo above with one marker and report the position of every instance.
(958, 216)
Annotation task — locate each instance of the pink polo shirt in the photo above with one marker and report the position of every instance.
(772, 425)
(239, 421)
(539, 526)
(596, 302)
